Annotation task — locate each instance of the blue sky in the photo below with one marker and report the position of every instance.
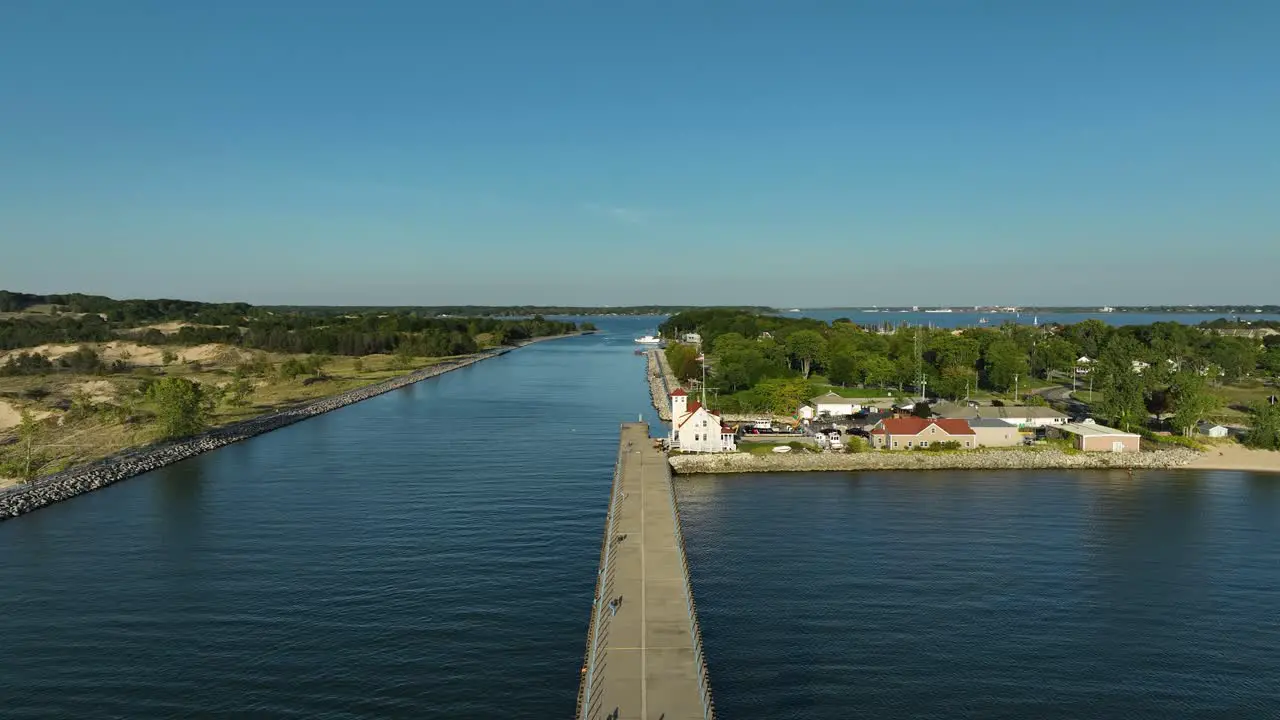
(797, 153)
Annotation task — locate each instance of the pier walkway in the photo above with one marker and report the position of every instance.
(644, 659)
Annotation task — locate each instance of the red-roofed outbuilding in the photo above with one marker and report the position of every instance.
(909, 433)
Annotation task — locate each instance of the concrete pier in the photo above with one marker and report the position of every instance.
(644, 654)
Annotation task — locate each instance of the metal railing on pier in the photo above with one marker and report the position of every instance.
(699, 659)
(587, 680)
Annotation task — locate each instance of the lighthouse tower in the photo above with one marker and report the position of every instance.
(679, 404)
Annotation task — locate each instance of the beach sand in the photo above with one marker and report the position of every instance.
(1237, 457)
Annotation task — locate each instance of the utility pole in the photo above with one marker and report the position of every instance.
(703, 359)
(1015, 387)
(919, 364)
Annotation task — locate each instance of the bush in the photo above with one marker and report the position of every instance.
(1171, 440)
(25, 363)
(943, 446)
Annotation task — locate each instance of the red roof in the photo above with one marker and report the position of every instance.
(678, 392)
(693, 408)
(915, 426)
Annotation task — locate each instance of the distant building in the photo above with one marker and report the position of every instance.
(691, 338)
(1083, 364)
(1092, 437)
(833, 404)
(1212, 430)
(909, 433)
(694, 428)
(1016, 415)
(806, 412)
(994, 433)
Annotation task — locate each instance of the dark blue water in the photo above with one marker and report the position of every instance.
(967, 595)
(432, 553)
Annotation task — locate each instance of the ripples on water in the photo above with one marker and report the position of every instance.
(432, 553)
(963, 595)
(427, 553)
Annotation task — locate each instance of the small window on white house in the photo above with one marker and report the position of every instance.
(924, 443)
(895, 443)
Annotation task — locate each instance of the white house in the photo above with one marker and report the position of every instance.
(691, 338)
(697, 429)
(806, 412)
(833, 404)
(1213, 430)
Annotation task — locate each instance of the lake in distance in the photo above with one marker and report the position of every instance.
(432, 553)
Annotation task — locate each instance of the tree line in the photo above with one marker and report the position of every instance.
(253, 328)
(1164, 369)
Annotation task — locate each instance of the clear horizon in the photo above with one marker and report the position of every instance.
(398, 153)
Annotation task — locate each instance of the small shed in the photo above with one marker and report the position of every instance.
(1213, 430)
(1092, 437)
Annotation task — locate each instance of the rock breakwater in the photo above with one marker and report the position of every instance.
(60, 486)
(660, 383)
(975, 460)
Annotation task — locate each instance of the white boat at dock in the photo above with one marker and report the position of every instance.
(649, 340)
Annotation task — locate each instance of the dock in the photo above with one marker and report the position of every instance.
(644, 655)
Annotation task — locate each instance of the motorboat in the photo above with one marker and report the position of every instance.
(649, 340)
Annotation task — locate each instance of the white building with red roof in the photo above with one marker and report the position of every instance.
(694, 428)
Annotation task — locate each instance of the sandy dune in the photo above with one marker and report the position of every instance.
(9, 416)
(141, 355)
(1238, 457)
(99, 390)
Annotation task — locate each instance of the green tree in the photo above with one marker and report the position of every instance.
(28, 429)
(1004, 363)
(238, 392)
(402, 359)
(292, 368)
(954, 381)
(877, 370)
(1191, 401)
(1123, 400)
(1264, 433)
(783, 396)
(168, 356)
(683, 360)
(843, 368)
(805, 346)
(182, 406)
(315, 364)
(1053, 354)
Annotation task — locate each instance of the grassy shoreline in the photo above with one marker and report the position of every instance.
(108, 416)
